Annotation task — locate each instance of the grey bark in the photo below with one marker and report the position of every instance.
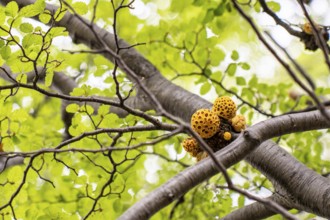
(6, 162)
(255, 210)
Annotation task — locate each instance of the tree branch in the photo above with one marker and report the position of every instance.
(296, 178)
(255, 210)
(9, 161)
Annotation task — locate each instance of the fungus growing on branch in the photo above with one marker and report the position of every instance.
(191, 146)
(238, 123)
(309, 38)
(227, 136)
(216, 133)
(224, 107)
(205, 123)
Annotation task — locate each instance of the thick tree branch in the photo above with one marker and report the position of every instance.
(282, 168)
(7, 161)
(255, 210)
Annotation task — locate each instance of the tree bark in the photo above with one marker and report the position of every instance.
(255, 210)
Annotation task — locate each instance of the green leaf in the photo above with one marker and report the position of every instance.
(19, 115)
(16, 140)
(77, 92)
(228, 7)
(5, 52)
(45, 17)
(2, 16)
(205, 88)
(240, 81)
(117, 205)
(40, 4)
(201, 79)
(318, 149)
(103, 110)
(217, 55)
(273, 108)
(216, 76)
(57, 31)
(109, 120)
(22, 78)
(34, 9)
(80, 7)
(231, 69)
(274, 6)
(59, 14)
(87, 108)
(253, 82)
(257, 7)
(72, 108)
(4, 30)
(208, 72)
(11, 9)
(198, 2)
(26, 27)
(31, 40)
(220, 9)
(178, 5)
(234, 55)
(245, 66)
(241, 201)
(209, 16)
(2, 61)
(49, 78)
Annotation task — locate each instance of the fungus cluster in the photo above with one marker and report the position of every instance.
(215, 126)
(309, 38)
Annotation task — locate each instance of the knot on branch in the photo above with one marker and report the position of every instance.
(170, 196)
(252, 136)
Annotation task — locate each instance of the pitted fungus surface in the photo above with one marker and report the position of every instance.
(205, 123)
(191, 146)
(224, 107)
